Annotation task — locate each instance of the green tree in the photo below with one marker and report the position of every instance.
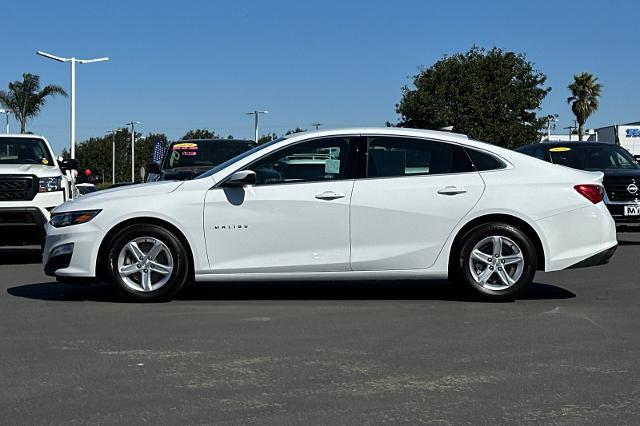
(267, 138)
(296, 130)
(585, 91)
(199, 134)
(489, 95)
(95, 154)
(25, 99)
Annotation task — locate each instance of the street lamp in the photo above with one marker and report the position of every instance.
(73, 89)
(316, 125)
(6, 113)
(256, 114)
(551, 120)
(113, 154)
(133, 150)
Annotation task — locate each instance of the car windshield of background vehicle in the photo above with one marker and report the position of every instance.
(394, 156)
(202, 154)
(24, 151)
(604, 157)
(237, 158)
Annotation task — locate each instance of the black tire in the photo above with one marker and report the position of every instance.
(461, 269)
(148, 232)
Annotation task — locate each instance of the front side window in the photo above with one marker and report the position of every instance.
(24, 151)
(395, 156)
(316, 160)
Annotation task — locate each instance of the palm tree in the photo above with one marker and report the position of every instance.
(25, 99)
(585, 91)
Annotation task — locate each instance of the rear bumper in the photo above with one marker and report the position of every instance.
(576, 236)
(601, 258)
(21, 225)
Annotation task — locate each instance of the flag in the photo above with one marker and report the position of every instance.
(158, 152)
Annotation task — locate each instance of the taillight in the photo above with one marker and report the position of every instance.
(593, 193)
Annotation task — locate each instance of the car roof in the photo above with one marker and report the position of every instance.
(212, 140)
(552, 144)
(395, 131)
(20, 135)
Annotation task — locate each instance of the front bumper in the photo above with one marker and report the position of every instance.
(617, 212)
(81, 262)
(22, 225)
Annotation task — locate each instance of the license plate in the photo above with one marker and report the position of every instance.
(632, 210)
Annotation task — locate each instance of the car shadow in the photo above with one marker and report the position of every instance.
(348, 290)
(20, 255)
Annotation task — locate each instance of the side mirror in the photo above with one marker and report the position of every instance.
(240, 179)
(153, 168)
(70, 164)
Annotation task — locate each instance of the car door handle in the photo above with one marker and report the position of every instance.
(329, 195)
(451, 190)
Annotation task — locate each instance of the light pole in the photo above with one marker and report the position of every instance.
(6, 113)
(113, 153)
(133, 149)
(73, 89)
(316, 125)
(552, 118)
(256, 113)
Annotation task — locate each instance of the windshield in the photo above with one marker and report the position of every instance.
(24, 151)
(592, 157)
(203, 153)
(238, 158)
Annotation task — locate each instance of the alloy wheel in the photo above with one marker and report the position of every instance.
(145, 264)
(496, 263)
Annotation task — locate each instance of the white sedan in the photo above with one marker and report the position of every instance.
(361, 203)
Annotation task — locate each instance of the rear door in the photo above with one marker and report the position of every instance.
(415, 193)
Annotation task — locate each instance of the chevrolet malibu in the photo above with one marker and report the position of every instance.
(361, 203)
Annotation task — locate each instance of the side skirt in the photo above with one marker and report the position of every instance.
(415, 274)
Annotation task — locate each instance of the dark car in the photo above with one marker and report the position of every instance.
(620, 168)
(187, 159)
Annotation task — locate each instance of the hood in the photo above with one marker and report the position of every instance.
(40, 170)
(96, 199)
(623, 173)
(183, 173)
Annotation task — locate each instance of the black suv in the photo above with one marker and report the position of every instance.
(620, 168)
(187, 159)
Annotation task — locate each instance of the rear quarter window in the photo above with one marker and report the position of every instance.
(483, 161)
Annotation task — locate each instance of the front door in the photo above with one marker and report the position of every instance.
(294, 219)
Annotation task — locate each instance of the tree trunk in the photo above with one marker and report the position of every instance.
(580, 130)
(23, 125)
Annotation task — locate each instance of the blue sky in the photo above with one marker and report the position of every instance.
(182, 65)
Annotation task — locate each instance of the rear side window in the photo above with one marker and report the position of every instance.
(483, 161)
(395, 156)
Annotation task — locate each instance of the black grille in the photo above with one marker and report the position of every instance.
(14, 188)
(618, 189)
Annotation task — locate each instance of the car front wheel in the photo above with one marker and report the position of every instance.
(147, 263)
(497, 261)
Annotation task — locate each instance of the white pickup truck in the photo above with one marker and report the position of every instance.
(32, 183)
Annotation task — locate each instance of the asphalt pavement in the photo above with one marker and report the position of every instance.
(567, 352)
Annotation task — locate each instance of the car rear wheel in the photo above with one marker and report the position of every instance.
(496, 261)
(147, 263)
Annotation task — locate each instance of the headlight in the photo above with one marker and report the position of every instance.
(49, 184)
(72, 218)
